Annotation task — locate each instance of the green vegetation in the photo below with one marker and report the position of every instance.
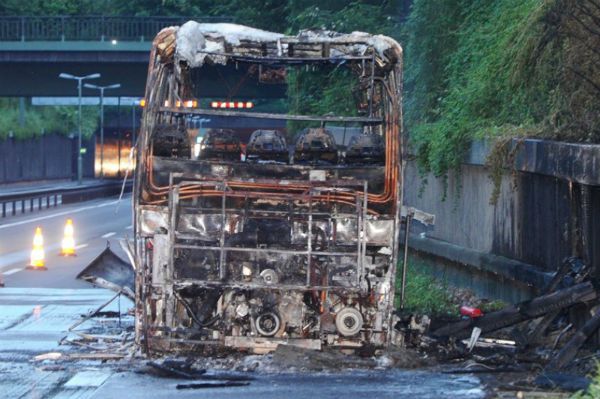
(428, 294)
(44, 119)
(333, 89)
(492, 306)
(497, 69)
(593, 391)
(328, 90)
(424, 294)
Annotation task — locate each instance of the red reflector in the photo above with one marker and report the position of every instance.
(470, 312)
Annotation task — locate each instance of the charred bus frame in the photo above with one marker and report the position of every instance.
(250, 256)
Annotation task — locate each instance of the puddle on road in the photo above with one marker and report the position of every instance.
(356, 384)
(90, 378)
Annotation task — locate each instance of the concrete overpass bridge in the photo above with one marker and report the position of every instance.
(35, 50)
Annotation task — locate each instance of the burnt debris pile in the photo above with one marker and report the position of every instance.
(544, 335)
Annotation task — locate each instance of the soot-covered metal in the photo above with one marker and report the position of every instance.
(294, 244)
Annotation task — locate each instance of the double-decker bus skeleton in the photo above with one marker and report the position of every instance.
(249, 255)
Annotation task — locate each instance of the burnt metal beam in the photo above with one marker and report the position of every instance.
(263, 115)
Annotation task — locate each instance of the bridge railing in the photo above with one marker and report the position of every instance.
(89, 28)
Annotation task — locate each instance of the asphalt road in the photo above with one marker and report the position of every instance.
(38, 307)
(95, 223)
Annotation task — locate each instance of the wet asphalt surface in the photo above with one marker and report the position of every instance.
(37, 308)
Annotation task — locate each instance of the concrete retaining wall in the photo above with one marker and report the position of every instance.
(42, 158)
(548, 210)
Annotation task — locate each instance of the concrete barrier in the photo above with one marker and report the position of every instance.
(548, 209)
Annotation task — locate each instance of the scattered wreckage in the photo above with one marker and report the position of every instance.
(539, 337)
(233, 252)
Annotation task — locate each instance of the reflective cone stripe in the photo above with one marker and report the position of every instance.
(68, 241)
(37, 253)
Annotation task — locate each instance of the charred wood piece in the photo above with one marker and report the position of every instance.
(511, 315)
(569, 351)
(171, 370)
(204, 385)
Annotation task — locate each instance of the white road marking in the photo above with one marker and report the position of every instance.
(70, 212)
(81, 246)
(130, 227)
(112, 233)
(11, 271)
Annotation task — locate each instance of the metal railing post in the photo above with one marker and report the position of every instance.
(22, 29)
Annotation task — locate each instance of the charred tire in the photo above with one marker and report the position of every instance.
(349, 322)
(267, 324)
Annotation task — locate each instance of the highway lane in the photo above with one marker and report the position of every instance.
(95, 223)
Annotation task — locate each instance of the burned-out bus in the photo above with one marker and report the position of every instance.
(300, 248)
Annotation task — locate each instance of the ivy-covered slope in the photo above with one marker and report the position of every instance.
(500, 68)
(44, 119)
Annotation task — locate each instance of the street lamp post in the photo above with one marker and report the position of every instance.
(102, 88)
(79, 79)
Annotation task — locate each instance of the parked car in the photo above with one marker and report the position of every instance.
(267, 145)
(316, 146)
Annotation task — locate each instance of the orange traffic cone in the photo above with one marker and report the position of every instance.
(68, 242)
(37, 253)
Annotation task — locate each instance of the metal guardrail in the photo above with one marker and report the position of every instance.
(89, 28)
(11, 204)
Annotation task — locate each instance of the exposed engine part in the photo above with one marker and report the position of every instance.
(349, 321)
(247, 270)
(242, 310)
(267, 324)
(269, 276)
(316, 146)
